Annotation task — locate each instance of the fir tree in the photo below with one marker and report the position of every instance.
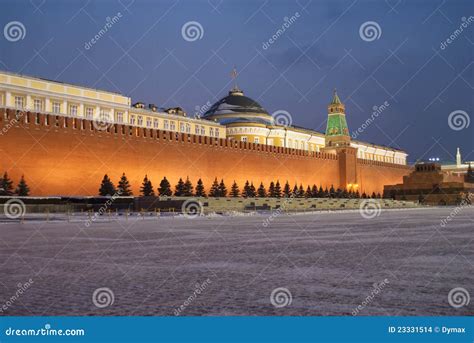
(253, 191)
(314, 191)
(364, 196)
(271, 190)
(106, 187)
(277, 189)
(379, 196)
(147, 187)
(344, 194)
(295, 191)
(308, 193)
(320, 192)
(222, 189)
(332, 192)
(357, 194)
(326, 193)
(373, 195)
(339, 193)
(261, 192)
(200, 192)
(234, 190)
(301, 191)
(123, 187)
(6, 185)
(165, 188)
(179, 188)
(246, 192)
(214, 192)
(22, 189)
(287, 189)
(188, 188)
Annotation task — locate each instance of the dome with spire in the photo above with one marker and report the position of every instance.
(237, 108)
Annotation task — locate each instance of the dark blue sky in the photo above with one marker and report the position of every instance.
(144, 55)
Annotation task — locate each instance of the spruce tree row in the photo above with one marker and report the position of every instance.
(219, 189)
(6, 186)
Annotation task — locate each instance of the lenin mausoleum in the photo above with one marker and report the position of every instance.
(63, 138)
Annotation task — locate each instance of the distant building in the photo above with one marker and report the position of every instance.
(460, 168)
(430, 184)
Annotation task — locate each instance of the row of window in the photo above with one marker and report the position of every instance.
(57, 107)
(105, 115)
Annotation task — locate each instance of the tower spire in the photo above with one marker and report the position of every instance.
(337, 132)
(235, 89)
(458, 158)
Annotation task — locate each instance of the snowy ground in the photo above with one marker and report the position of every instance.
(229, 265)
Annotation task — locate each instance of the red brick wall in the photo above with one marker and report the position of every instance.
(58, 160)
(372, 175)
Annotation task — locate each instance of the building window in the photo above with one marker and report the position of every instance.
(270, 141)
(38, 105)
(132, 120)
(166, 125)
(89, 113)
(211, 131)
(173, 126)
(188, 128)
(302, 145)
(217, 133)
(148, 122)
(203, 130)
(73, 110)
(181, 127)
(244, 139)
(56, 107)
(19, 102)
(119, 117)
(140, 120)
(155, 123)
(256, 140)
(197, 129)
(104, 115)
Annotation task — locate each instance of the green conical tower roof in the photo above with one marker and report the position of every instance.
(337, 132)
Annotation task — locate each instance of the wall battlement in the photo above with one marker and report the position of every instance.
(61, 155)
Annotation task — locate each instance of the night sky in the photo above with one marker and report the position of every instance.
(146, 55)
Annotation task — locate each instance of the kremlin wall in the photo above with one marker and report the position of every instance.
(64, 154)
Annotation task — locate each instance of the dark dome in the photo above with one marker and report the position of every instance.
(238, 108)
